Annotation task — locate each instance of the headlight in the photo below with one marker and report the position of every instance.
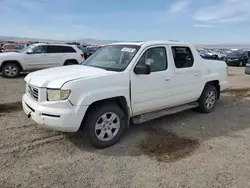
(57, 94)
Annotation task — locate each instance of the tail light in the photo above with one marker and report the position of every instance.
(82, 55)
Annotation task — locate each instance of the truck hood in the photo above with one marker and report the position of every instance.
(56, 77)
(9, 54)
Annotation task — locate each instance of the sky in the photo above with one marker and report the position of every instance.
(194, 21)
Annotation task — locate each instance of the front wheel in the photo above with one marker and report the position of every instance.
(11, 70)
(105, 125)
(208, 99)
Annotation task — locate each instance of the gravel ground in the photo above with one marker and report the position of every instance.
(184, 150)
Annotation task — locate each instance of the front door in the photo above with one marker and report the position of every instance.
(149, 92)
(36, 59)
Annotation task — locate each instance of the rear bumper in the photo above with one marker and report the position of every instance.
(68, 118)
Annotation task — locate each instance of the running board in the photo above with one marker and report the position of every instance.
(160, 113)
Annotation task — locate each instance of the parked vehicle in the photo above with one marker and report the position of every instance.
(11, 47)
(238, 58)
(88, 51)
(123, 82)
(247, 69)
(209, 56)
(39, 56)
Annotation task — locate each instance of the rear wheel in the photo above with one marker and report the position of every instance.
(105, 125)
(70, 62)
(208, 99)
(11, 70)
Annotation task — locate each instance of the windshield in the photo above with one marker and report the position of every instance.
(112, 57)
(26, 48)
(236, 53)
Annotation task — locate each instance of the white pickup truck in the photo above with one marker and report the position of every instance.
(120, 83)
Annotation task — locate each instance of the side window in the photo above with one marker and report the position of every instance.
(53, 49)
(156, 58)
(39, 50)
(60, 49)
(245, 55)
(68, 49)
(183, 57)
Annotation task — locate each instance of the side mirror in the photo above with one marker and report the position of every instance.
(142, 69)
(30, 51)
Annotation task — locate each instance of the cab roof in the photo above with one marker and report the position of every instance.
(150, 43)
(51, 44)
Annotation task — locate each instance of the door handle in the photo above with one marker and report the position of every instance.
(196, 74)
(167, 79)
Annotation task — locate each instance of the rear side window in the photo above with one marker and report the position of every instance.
(60, 49)
(67, 49)
(183, 57)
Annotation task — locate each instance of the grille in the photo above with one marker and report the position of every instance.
(33, 92)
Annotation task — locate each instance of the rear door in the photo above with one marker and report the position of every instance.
(187, 75)
(56, 55)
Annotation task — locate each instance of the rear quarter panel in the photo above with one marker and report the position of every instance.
(215, 70)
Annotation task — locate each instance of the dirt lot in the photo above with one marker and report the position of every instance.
(184, 150)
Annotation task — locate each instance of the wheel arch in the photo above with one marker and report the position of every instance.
(11, 61)
(70, 60)
(119, 101)
(216, 84)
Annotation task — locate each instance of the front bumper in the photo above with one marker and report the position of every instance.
(60, 117)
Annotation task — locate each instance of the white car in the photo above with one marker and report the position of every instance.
(123, 82)
(39, 56)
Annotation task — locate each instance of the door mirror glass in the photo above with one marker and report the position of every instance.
(142, 69)
(30, 51)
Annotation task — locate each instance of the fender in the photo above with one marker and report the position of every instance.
(12, 61)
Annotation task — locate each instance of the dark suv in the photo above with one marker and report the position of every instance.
(88, 51)
(238, 58)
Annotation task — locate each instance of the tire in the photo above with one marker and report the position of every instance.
(70, 63)
(11, 70)
(208, 99)
(241, 64)
(95, 127)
